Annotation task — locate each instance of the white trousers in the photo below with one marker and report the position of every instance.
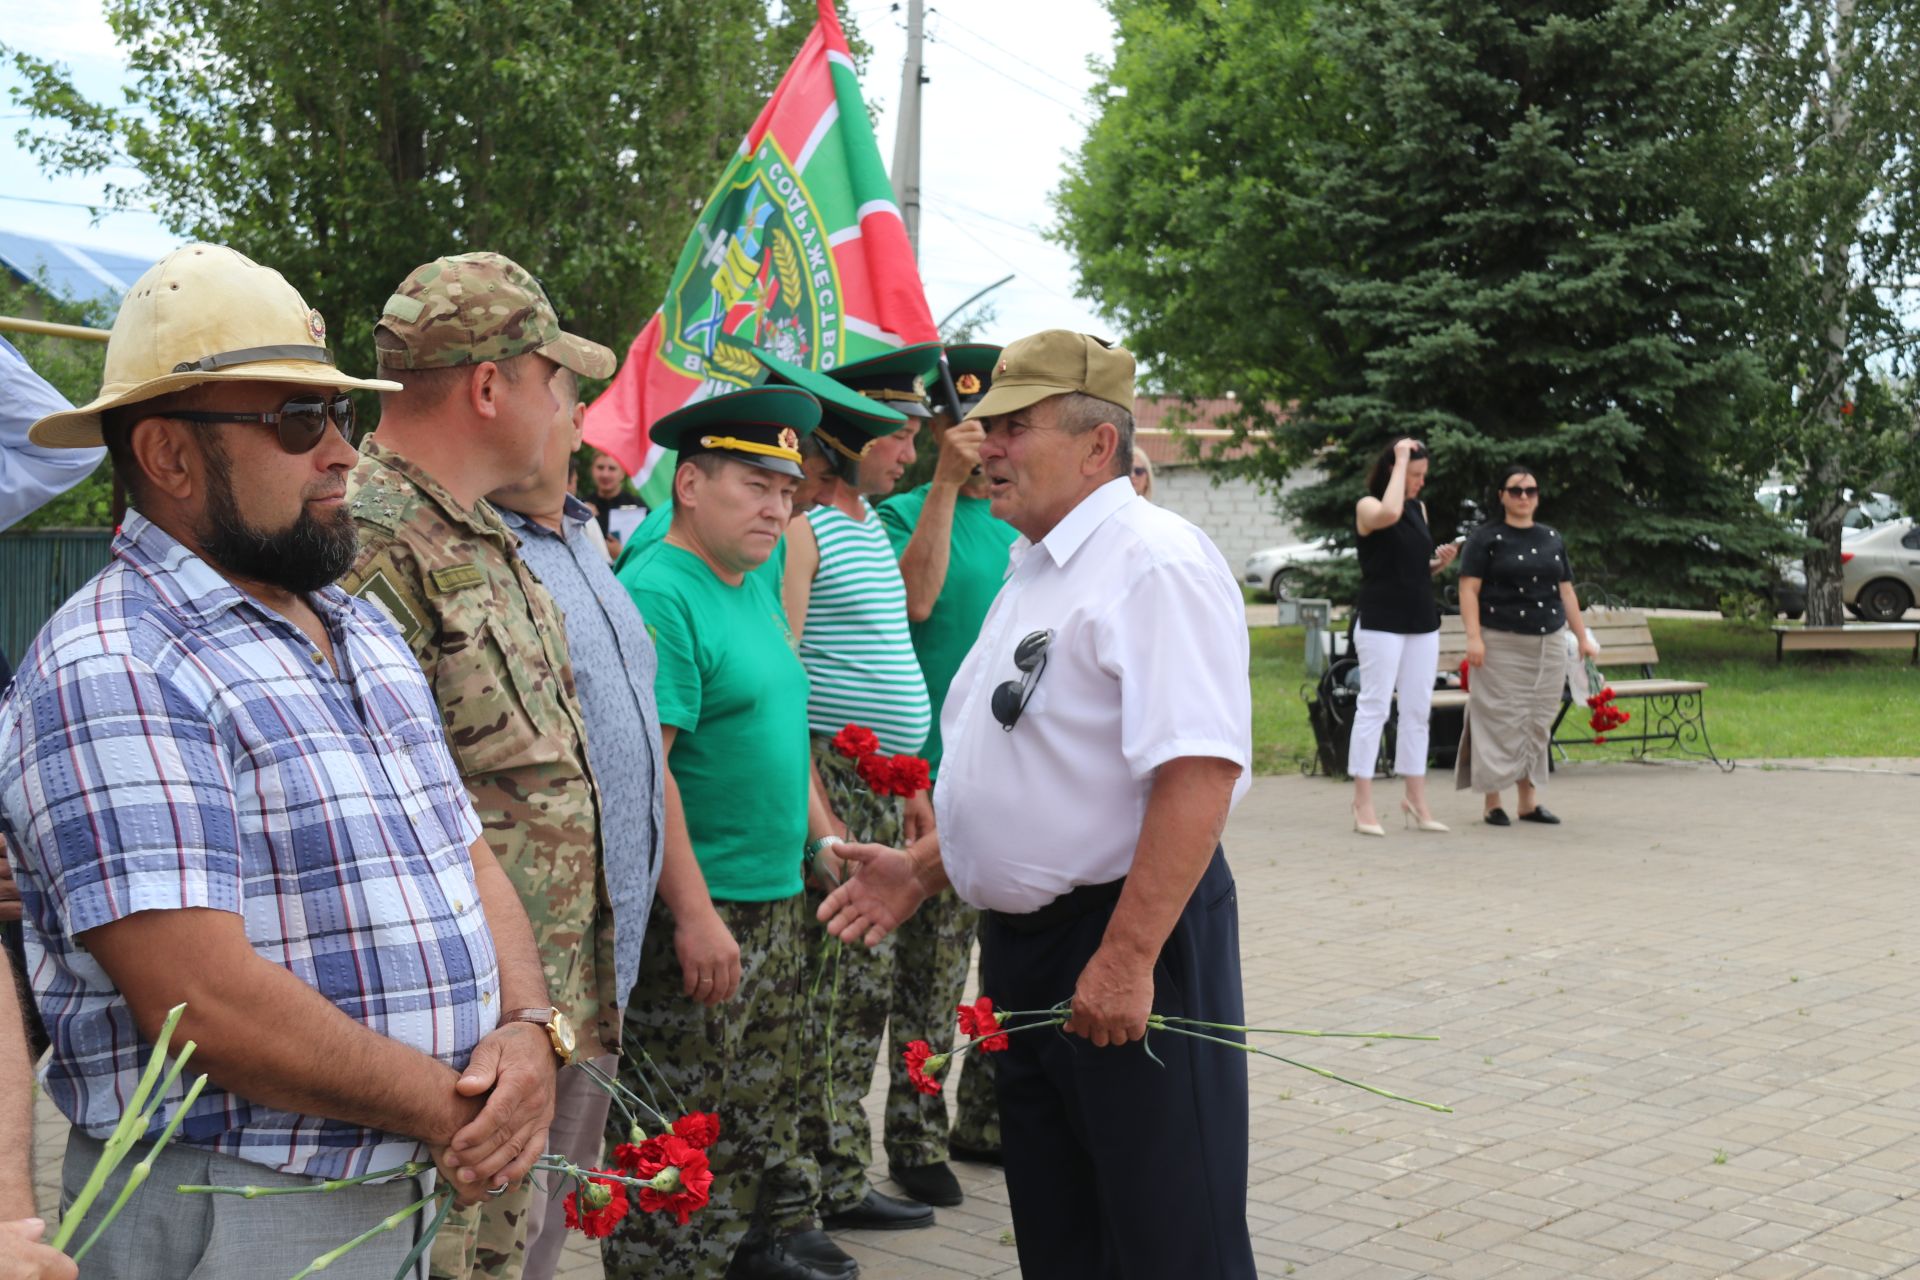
(1393, 663)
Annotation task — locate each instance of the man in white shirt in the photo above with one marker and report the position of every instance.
(1096, 738)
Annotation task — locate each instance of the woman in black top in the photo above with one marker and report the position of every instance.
(1397, 634)
(1516, 602)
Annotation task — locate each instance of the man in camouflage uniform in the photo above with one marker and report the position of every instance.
(846, 600)
(953, 559)
(477, 346)
(716, 1020)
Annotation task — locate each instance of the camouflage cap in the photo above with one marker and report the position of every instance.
(470, 307)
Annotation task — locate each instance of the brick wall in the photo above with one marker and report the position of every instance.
(1236, 514)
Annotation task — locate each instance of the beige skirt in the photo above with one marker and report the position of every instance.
(1511, 703)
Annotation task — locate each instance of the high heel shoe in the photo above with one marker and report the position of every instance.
(1413, 819)
(1366, 828)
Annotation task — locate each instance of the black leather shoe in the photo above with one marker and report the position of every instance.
(975, 1155)
(876, 1212)
(928, 1183)
(769, 1259)
(1540, 813)
(1498, 818)
(817, 1249)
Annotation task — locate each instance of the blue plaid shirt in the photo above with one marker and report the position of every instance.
(170, 743)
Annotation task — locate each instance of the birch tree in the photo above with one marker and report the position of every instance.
(1834, 104)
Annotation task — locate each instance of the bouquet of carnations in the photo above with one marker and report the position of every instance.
(1606, 713)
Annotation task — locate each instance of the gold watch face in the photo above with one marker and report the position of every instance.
(561, 1030)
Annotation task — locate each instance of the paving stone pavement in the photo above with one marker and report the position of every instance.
(1680, 1034)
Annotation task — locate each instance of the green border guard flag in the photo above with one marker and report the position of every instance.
(800, 250)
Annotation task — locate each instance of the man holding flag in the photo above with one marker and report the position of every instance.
(799, 252)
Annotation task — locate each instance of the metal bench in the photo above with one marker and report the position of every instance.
(1671, 711)
(1852, 635)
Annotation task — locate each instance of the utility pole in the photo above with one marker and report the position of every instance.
(906, 132)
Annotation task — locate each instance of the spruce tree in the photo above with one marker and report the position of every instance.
(1541, 257)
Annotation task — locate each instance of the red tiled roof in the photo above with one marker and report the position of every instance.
(1166, 426)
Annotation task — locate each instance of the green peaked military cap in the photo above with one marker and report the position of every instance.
(898, 378)
(760, 426)
(971, 364)
(849, 421)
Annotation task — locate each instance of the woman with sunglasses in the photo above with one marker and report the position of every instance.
(1397, 633)
(1142, 474)
(1516, 602)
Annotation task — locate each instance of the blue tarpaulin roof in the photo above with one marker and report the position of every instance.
(74, 272)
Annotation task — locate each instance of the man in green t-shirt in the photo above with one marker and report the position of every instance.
(953, 557)
(715, 1013)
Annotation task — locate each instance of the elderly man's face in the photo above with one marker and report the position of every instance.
(261, 513)
(1036, 470)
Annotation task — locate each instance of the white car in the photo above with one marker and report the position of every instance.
(1880, 570)
(1273, 569)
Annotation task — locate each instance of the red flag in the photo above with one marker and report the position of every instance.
(800, 250)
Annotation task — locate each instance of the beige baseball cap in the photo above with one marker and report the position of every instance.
(1055, 362)
(203, 313)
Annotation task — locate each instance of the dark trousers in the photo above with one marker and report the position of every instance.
(1118, 1166)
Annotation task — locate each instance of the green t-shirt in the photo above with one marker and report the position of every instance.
(654, 529)
(730, 683)
(976, 566)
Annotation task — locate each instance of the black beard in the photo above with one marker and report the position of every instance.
(303, 557)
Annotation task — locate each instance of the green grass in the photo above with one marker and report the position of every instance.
(1813, 704)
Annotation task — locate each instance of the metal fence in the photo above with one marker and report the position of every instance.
(38, 571)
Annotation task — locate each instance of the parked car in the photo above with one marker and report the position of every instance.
(1880, 571)
(1274, 569)
(1864, 512)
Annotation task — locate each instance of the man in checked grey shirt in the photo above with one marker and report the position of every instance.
(613, 664)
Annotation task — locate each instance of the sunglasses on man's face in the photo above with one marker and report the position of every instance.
(1523, 491)
(301, 421)
(1011, 698)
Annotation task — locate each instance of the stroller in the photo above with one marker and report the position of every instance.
(1330, 707)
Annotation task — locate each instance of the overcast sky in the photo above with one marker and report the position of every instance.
(1005, 106)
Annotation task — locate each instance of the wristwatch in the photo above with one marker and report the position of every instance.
(816, 847)
(558, 1025)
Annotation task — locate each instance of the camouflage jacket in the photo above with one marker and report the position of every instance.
(493, 646)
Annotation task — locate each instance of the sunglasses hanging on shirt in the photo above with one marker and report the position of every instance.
(1011, 698)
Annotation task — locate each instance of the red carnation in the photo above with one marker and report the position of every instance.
(855, 742)
(700, 1129)
(626, 1157)
(910, 776)
(918, 1054)
(692, 1185)
(977, 1020)
(877, 772)
(596, 1222)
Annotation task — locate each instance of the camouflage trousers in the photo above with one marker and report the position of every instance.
(976, 1119)
(931, 953)
(735, 1059)
(489, 1239)
(850, 989)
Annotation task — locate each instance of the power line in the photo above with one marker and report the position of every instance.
(1022, 227)
(1033, 66)
(79, 204)
(1010, 78)
(961, 227)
